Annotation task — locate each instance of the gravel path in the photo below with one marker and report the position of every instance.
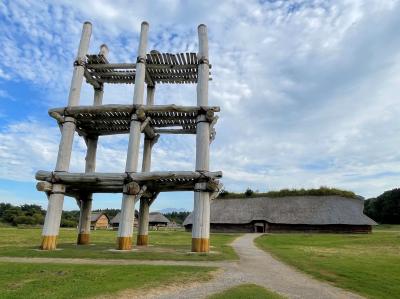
(259, 267)
(255, 266)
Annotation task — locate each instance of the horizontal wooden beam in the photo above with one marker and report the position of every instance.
(110, 178)
(78, 183)
(175, 131)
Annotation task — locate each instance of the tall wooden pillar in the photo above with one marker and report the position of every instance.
(201, 209)
(125, 229)
(90, 166)
(143, 228)
(56, 199)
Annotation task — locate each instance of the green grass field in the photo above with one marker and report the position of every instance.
(165, 245)
(247, 291)
(83, 281)
(366, 264)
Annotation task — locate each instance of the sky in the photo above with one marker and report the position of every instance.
(309, 91)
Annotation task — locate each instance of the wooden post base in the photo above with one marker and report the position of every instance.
(142, 240)
(83, 239)
(124, 243)
(49, 243)
(200, 245)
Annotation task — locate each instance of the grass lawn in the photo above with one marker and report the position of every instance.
(166, 245)
(246, 291)
(82, 281)
(368, 264)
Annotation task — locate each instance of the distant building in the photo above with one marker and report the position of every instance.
(156, 219)
(99, 221)
(287, 214)
(117, 218)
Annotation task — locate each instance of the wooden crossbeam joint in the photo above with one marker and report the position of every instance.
(141, 114)
(148, 78)
(80, 61)
(131, 188)
(49, 188)
(204, 60)
(144, 124)
(44, 186)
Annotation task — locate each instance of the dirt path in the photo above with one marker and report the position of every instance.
(78, 261)
(259, 267)
(254, 266)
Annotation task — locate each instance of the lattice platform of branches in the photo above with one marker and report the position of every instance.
(178, 68)
(115, 119)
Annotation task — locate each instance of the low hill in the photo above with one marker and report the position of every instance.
(322, 191)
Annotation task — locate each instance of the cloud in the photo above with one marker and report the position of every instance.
(308, 90)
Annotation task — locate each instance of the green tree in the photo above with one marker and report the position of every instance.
(385, 208)
(24, 219)
(178, 217)
(248, 192)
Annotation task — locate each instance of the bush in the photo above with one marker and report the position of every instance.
(24, 220)
(248, 192)
(32, 215)
(223, 193)
(68, 223)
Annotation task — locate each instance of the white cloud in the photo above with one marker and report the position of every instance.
(308, 91)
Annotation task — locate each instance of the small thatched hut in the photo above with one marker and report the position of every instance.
(99, 220)
(117, 218)
(285, 214)
(157, 219)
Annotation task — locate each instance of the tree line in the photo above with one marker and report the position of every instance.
(33, 215)
(178, 217)
(385, 208)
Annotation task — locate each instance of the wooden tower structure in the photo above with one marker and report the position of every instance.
(152, 120)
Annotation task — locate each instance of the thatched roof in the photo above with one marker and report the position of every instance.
(289, 210)
(117, 218)
(96, 215)
(158, 217)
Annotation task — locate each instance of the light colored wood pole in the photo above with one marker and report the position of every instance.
(201, 209)
(84, 219)
(90, 166)
(144, 208)
(52, 221)
(125, 229)
(143, 229)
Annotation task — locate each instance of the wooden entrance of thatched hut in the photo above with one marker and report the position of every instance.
(259, 227)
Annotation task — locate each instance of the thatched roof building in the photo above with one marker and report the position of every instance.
(99, 220)
(294, 213)
(158, 219)
(117, 218)
(155, 219)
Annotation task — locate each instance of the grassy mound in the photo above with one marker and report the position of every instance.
(321, 191)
